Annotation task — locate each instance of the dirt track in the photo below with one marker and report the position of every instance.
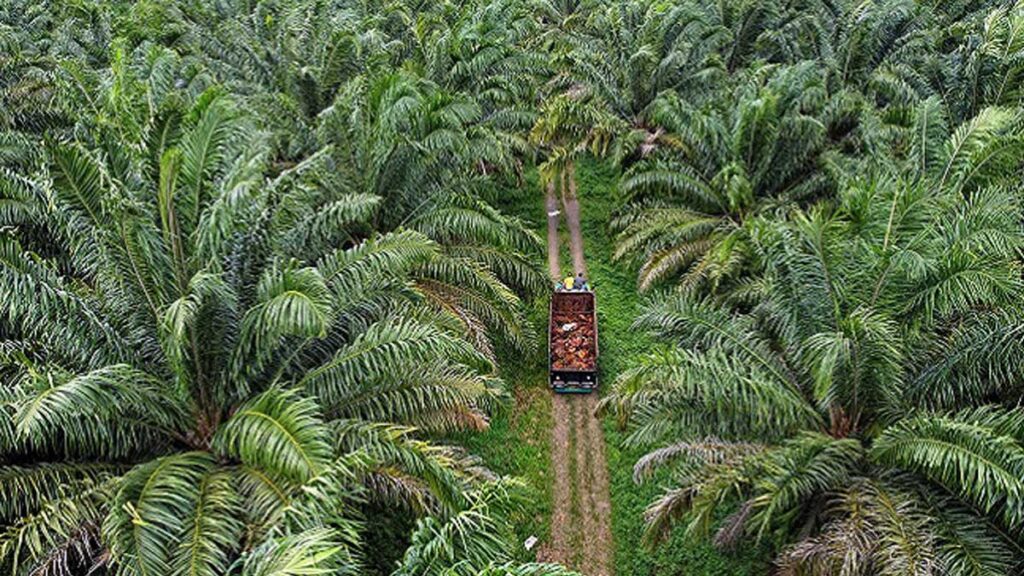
(551, 206)
(581, 536)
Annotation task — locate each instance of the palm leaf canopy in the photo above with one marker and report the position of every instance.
(218, 349)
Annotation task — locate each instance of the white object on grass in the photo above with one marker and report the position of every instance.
(530, 542)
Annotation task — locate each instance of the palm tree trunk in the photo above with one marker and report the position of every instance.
(572, 218)
(551, 206)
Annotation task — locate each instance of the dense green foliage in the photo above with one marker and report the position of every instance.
(828, 208)
(249, 270)
(256, 287)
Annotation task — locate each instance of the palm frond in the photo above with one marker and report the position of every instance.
(973, 454)
(212, 529)
(309, 553)
(148, 517)
(278, 432)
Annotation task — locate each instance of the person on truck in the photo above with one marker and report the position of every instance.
(569, 283)
(580, 282)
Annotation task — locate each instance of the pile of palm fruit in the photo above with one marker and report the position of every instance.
(572, 342)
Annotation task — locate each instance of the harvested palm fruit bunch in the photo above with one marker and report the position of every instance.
(573, 346)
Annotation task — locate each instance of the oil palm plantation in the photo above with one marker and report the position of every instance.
(854, 402)
(425, 153)
(218, 370)
(637, 50)
(235, 320)
(427, 138)
(254, 273)
(849, 81)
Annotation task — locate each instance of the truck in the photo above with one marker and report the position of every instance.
(572, 342)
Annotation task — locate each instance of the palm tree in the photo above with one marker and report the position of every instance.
(873, 68)
(286, 59)
(688, 205)
(987, 65)
(854, 403)
(47, 54)
(225, 367)
(418, 148)
(636, 50)
(571, 123)
(427, 151)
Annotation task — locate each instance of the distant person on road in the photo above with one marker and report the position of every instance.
(580, 282)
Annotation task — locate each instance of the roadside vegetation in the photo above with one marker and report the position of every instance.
(827, 219)
(619, 304)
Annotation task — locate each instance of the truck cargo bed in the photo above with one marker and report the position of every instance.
(572, 342)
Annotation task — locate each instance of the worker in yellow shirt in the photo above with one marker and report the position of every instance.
(569, 282)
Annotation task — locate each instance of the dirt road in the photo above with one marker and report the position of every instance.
(581, 536)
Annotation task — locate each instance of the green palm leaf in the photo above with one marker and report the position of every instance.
(975, 455)
(149, 515)
(213, 529)
(278, 432)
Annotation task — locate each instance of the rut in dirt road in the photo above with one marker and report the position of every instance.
(581, 536)
(551, 207)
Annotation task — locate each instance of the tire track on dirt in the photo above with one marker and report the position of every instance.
(599, 538)
(584, 478)
(585, 521)
(559, 547)
(589, 453)
(560, 550)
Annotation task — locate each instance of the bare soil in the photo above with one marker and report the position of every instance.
(559, 549)
(598, 551)
(571, 204)
(551, 206)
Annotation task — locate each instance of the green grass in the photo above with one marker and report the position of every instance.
(619, 303)
(518, 442)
